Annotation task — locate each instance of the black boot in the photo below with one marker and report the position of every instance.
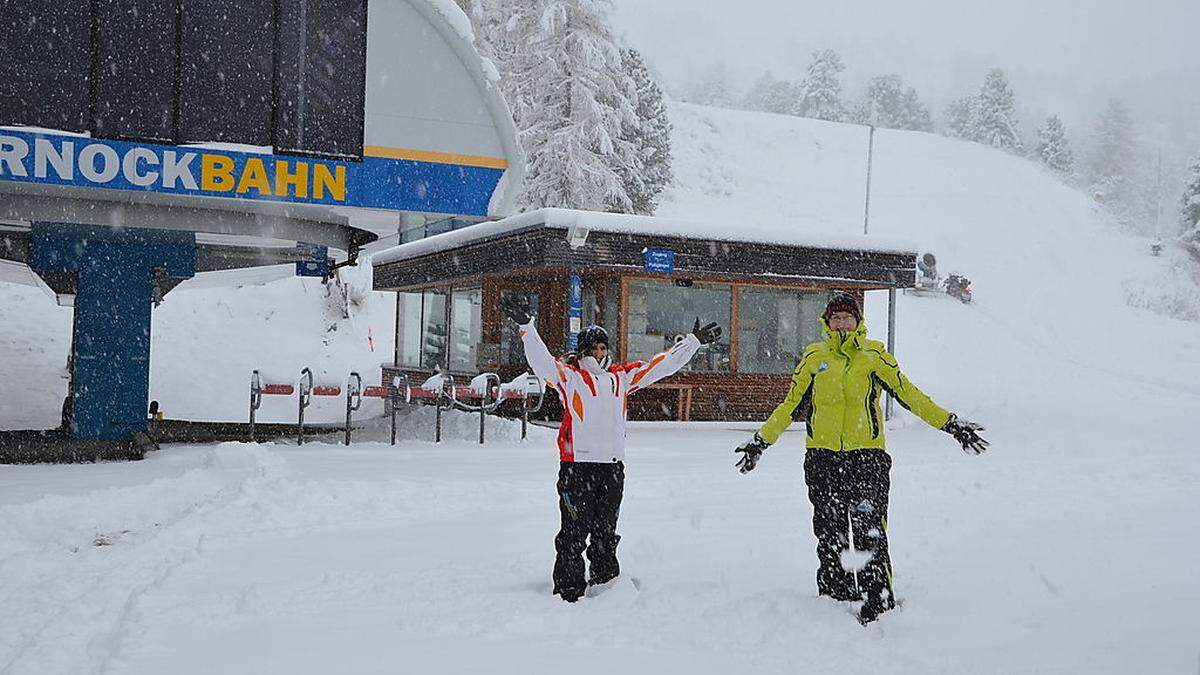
(872, 608)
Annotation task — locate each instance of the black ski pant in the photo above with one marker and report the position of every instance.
(849, 494)
(589, 501)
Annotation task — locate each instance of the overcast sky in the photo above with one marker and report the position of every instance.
(1061, 55)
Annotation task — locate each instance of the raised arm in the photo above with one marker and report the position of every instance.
(643, 374)
(516, 308)
(544, 365)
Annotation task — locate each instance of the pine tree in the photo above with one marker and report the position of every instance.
(650, 135)
(1052, 147)
(1190, 204)
(756, 97)
(782, 97)
(713, 88)
(1112, 171)
(888, 103)
(959, 115)
(821, 92)
(994, 122)
(571, 100)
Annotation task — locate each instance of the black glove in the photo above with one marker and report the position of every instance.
(708, 334)
(753, 449)
(516, 307)
(966, 433)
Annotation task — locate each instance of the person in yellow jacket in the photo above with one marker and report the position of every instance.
(835, 390)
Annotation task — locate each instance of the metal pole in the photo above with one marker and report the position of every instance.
(891, 342)
(870, 154)
(255, 399)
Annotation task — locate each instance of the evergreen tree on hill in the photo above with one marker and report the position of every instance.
(1190, 204)
(994, 122)
(650, 136)
(1111, 169)
(571, 99)
(889, 104)
(1053, 149)
(821, 91)
(959, 115)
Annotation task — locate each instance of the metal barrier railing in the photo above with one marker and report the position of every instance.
(485, 391)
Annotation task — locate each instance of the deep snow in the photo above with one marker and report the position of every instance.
(1066, 548)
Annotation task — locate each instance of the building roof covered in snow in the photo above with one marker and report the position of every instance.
(562, 238)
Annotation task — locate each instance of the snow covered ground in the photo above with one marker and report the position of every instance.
(1067, 548)
(1069, 553)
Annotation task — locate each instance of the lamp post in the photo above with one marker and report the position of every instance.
(870, 154)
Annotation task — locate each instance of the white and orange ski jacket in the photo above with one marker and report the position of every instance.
(595, 401)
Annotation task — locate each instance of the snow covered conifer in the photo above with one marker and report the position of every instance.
(1052, 147)
(1190, 203)
(1111, 169)
(888, 103)
(958, 117)
(650, 136)
(760, 89)
(821, 91)
(712, 88)
(994, 122)
(571, 100)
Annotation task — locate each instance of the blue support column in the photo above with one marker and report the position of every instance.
(115, 268)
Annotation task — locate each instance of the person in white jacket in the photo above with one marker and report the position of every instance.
(591, 440)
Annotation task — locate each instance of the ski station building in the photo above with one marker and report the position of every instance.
(645, 280)
(146, 144)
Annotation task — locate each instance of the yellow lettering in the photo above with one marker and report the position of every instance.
(254, 176)
(336, 182)
(216, 173)
(285, 178)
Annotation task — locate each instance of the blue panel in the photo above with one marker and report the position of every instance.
(660, 260)
(115, 267)
(375, 182)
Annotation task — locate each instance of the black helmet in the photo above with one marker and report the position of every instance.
(842, 301)
(589, 337)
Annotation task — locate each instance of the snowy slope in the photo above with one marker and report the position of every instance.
(1067, 548)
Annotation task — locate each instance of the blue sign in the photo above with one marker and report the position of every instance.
(385, 178)
(574, 310)
(318, 263)
(660, 260)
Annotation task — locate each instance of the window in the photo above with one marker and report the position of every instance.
(466, 329)
(434, 331)
(512, 351)
(44, 67)
(661, 311)
(408, 330)
(774, 327)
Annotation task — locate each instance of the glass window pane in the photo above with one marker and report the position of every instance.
(433, 330)
(774, 327)
(408, 330)
(512, 351)
(466, 329)
(661, 311)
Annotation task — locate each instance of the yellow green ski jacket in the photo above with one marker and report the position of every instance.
(835, 391)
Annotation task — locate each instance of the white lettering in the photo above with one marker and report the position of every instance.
(111, 164)
(129, 166)
(63, 162)
(12, 151)
(177, 169)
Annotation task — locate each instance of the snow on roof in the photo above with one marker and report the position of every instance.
(782, 233)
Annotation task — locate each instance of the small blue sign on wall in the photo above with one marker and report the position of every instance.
(660, 260)
(318, 265)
